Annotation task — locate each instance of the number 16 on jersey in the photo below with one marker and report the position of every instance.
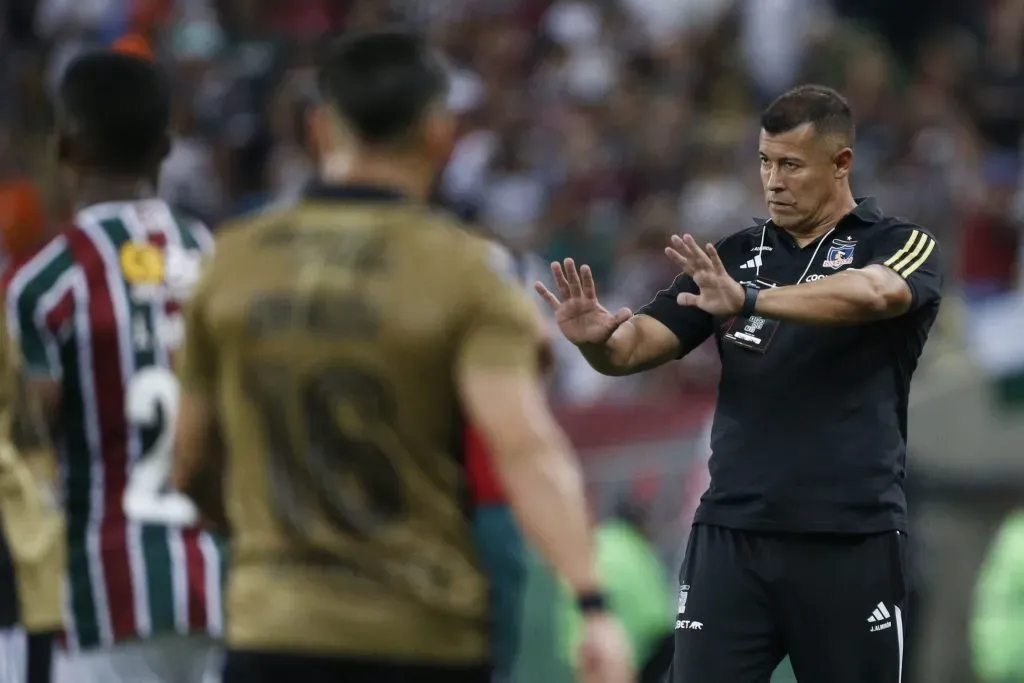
(147, 498)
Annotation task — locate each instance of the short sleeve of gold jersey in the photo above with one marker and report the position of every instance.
(198, 370)
(501, 329)
(24, 426)
(31, 520)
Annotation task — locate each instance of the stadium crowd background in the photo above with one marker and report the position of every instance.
(596, 128)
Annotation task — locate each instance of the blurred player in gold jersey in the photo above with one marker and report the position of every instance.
(336, 348)
(33, 525)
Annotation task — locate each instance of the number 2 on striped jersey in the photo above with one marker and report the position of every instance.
(147, 497)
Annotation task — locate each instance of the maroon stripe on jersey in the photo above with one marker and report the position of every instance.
(62, 312)
(157, 239)
(109, 383)
(198, 619)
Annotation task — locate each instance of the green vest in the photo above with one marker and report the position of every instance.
(997, 629)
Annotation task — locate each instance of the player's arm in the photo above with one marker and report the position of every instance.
(905, 273)
(198, 464)
(498, 377)
(662, 331)
(659, 332)
(623, 344)
(639, 344)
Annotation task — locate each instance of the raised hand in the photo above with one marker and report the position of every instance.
(720, 295)
(580, 317)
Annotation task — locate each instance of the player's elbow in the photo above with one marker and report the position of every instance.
(881, 293)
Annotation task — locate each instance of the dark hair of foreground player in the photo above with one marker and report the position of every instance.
(114, 115)
(382, 83)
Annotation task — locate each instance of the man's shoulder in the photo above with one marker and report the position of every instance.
(744, 235)
(742, 242)
(455, 241)
(33, 275)
(890, 226)
(195, 228)
(476, 251)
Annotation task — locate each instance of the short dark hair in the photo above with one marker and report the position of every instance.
(822, 107)
(119, 107)
(382, 82)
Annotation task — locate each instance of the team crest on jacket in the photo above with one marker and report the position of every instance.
(839, 254)
(153, 272)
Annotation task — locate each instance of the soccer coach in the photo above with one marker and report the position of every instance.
(820, 315)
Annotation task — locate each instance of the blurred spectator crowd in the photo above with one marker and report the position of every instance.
(591, 128)
(594, 129)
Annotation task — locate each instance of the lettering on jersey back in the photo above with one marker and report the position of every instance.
(339, 315)
(353, 250)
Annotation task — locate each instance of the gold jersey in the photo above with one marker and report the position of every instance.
(32, 521)
(329, 336)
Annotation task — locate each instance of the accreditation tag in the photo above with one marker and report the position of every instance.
(753, 332)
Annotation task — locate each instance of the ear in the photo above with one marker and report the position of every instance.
(440, 130)
(314, 131)
(843, 162)
(326, 133)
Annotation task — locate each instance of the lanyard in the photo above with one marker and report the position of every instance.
(760, 253)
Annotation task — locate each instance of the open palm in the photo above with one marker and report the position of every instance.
(720, 294)
(580, 317)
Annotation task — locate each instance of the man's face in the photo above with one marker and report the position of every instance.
(799, 174)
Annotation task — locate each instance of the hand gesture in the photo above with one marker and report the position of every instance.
(579, 315)
(604, 655)
(720, 295)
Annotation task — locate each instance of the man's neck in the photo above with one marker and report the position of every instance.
(828, 220)
(411, 178)
(100, 189)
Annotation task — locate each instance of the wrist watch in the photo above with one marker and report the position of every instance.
(592, 602)
(749, 300)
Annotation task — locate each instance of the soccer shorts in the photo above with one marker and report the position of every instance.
(243, 666)
(834, 603)
(24, 657)
(163, 659)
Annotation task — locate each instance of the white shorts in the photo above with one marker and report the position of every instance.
(25, 658)
(165, 659)
(13, 656)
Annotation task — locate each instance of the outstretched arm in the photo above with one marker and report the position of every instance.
(622, 343)
(498, 377)
(904, 274)
(641, 343)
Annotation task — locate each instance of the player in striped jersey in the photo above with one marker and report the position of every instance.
(96, 313)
